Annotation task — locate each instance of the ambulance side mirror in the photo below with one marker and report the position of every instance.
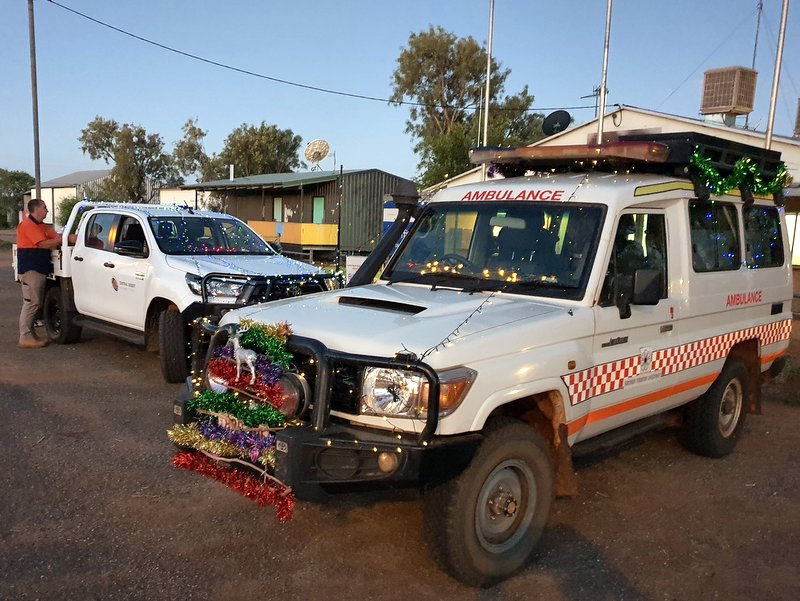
(647, 287)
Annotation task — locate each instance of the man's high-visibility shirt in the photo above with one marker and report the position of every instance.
(29, 256)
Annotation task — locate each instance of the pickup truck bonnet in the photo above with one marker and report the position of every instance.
(240, 264)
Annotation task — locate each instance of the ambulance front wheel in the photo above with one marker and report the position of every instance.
(712, 423)
(484, 525)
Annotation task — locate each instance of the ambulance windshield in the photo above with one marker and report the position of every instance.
(542, 249)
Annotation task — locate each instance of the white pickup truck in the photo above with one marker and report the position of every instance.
(143, 273)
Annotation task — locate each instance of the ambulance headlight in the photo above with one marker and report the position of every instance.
(399, 393)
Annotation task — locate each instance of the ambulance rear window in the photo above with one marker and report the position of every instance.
(715, 236)
(762, 237)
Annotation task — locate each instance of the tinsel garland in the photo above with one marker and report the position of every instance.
(281, 331)
(189, 436)
(259, 340)
(745, 174)
(208, 436)
(225, 402)
(222, 369)
(267, 371)
(262, 492)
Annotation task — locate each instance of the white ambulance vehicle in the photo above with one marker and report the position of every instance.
(593, 288)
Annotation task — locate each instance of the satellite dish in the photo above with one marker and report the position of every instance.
(556, 122)
(316, 150)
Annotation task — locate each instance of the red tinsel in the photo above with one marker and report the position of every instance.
(262, 492)
(222, 369)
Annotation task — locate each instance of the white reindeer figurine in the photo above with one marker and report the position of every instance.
(243, 355)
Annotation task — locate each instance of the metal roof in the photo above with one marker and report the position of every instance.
(76, 179)
(272, 180)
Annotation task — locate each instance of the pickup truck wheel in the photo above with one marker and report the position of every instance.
(172, 346)
(58, 321)
(484, 525)
(713, 422)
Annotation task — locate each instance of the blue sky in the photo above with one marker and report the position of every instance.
(659, 50)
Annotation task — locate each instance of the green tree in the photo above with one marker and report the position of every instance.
(140, 164)
(13, 185)
(189, 155)
(444, 75)
(254, 150)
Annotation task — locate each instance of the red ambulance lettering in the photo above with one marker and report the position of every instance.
(744, 298)
(509, 195)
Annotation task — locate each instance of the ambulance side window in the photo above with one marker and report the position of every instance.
(763, 240)
(715, 236)
(640, 242)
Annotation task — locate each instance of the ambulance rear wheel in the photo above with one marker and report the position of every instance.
(712, 423)
(484, 525)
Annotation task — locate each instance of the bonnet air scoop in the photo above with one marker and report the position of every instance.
(384, 305)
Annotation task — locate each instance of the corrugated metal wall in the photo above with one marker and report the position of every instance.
(362, 209)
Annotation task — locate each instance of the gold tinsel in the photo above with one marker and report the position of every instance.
(189, 436)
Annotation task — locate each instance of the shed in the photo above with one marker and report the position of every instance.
(310, 212)
(79, 184)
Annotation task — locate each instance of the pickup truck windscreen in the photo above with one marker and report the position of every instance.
(541, 249)
(187, 235)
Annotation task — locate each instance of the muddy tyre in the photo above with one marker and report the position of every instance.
(484, 525)
(58, 320)
(172, 346)
(712, 423)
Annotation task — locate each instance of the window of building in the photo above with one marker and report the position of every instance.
(762, 237)
(319, 209)
(277, 209)
(715, 236)
(793, 228)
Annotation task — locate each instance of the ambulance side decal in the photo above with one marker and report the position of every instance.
(608, 377)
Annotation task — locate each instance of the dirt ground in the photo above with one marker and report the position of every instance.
(90, 507)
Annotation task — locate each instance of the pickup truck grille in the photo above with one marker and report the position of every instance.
(345, 382)
(278, 288)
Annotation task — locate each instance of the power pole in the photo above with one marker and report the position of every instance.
(35, 100)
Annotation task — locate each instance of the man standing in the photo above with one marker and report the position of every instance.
(35, 240)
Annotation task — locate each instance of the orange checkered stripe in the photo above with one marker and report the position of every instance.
(608, 377)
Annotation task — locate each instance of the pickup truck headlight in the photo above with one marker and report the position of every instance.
(333, 283)
(219, 291)
(400, 393)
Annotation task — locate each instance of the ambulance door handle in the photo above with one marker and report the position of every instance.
(78, 258)
(666, 328)
(108, 264)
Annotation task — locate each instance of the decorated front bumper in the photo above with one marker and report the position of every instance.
(247, 409)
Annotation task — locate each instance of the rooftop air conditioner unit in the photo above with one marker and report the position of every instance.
(728, 92)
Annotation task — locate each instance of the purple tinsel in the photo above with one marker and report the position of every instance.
(270, 372)
(253, 445)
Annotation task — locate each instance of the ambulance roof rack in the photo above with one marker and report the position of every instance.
(652, 153)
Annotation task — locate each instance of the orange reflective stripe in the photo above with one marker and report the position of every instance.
(772, 357)
(658, 395)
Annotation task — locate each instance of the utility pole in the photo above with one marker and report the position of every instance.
(488, 81)
(602, 109)
(777, 76)
(759, 9)
(35, 100)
